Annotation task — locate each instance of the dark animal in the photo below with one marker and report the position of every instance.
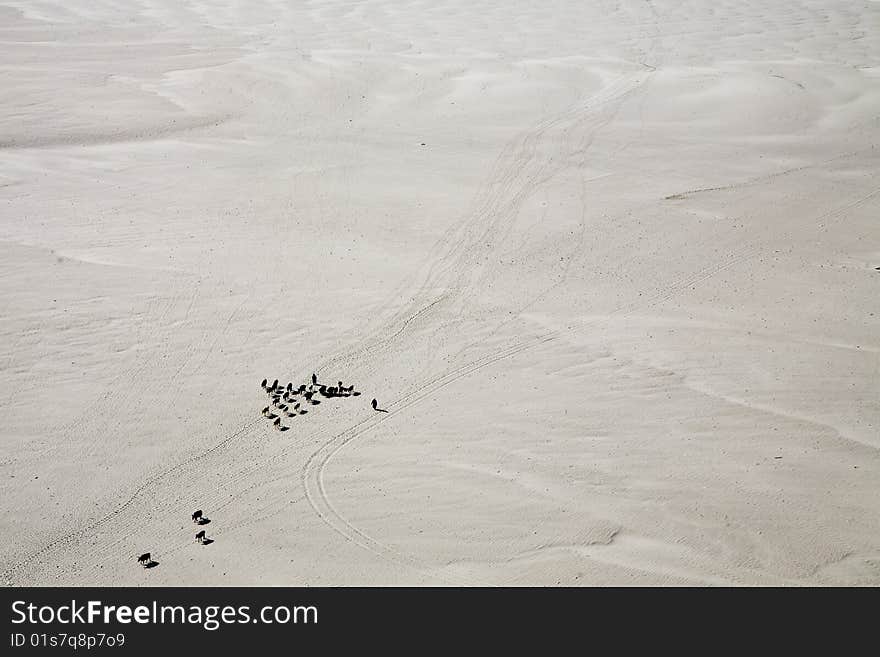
(314, 379)
(145, 559)
(289, 386)
(271, 416)
(376, 407)
(265, 412)
(275, 384)
(200, 537)
(277, 424)
(264, 384)
(197, 516)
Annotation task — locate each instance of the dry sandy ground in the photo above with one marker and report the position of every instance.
(611, 267)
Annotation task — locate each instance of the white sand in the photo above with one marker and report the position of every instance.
(609, 265)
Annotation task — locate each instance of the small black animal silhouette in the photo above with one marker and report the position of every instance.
(275, 384)
(277, 423)
(289, 386)
(314, 379)
(145, 559)
(375, 405)
(196, 516)
(271, 416)
(265, 412)
(302, 388)
(200, 537)
(264, 384)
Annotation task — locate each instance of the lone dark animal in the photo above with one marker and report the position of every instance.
(296, 406)
(375, 405)
(277, 424)
(314, 379)
(266, 412)
(197, 516)
(264, 384)
(145, 559)
(200, 537)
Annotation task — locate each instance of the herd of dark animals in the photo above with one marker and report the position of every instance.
(284, 400)
(288, 401)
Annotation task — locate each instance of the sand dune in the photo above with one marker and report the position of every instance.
(611, 267)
